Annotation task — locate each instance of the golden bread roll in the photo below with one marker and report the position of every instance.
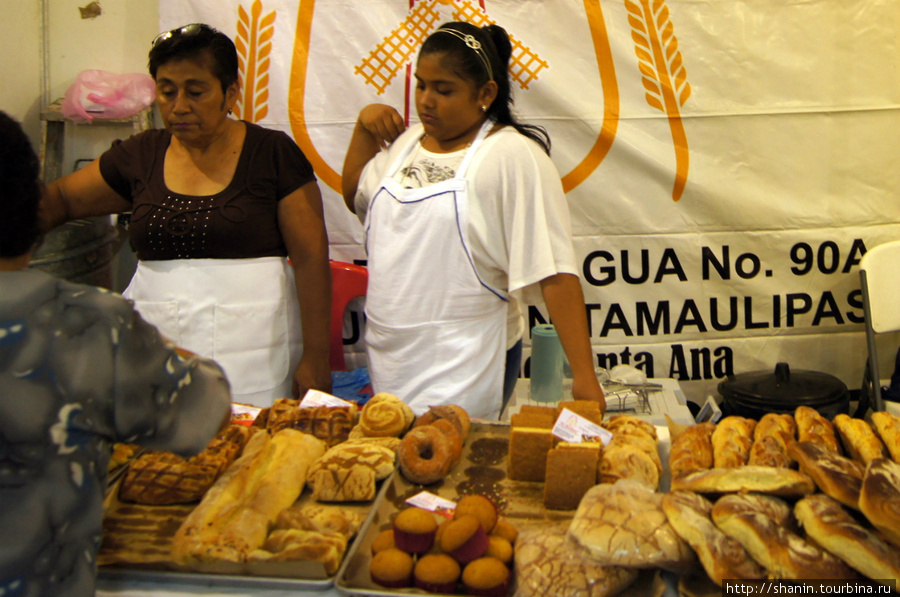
(721, 556)
(888, 428)
(692, 450)
(731, 441)
(764, 479)
(813, 427)
(331, 424)
(629, 424)
(829, 525)
(234, 516)
(879, 498)
(783, 553)
(385, 415)
(623, 524)
(860, 441)
(546, 564)
(739, 503)
(625, 460)
(771, 437)
(836, 475)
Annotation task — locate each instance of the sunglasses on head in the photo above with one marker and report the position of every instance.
(187, 30)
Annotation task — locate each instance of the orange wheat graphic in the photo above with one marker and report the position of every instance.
(663, 74)
(254, 45)
(398, 48)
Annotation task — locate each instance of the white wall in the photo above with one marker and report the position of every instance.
(46, 43)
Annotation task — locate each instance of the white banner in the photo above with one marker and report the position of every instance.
(727, 162)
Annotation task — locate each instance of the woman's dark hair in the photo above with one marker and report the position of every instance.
(197, 41)
(497, 49)
(20, 190)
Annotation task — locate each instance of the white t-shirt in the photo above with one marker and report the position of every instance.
(519, 224)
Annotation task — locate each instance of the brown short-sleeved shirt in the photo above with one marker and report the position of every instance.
(239, 222)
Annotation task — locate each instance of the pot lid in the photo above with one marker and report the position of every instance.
(784, 387)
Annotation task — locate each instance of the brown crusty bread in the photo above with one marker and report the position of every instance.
(721, 556)
(782, 552)
(234, 516)
(836, 475)
(771, 437)
(692, 450)
(625, 457)
(879, 498)
(732, 440)
(764, 479)
(813, 427)
(829, 525)
(860, 441)
(888, 428)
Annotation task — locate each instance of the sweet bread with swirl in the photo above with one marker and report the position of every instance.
(385, 415)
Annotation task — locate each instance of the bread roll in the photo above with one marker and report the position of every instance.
(234, 516)
(888, 428)
(858, 439)
(692, 450)
(623, 524)
(721, 556)
(628, 424)
(547, 565)
(813, 427)
(758, 503)
(771, 437)
(879, 498)
(385, 415)
(764, 479)
(625, 459)
(782, 552)
(732, 440)
(829, 525)
(836, 475)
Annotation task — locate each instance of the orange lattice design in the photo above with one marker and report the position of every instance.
(396, 50)
(254, 47)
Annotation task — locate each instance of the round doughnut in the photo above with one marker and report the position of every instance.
(452, 433)
(455, 413)
(425, 455)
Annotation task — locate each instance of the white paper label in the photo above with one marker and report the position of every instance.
(432, 503)
(317, 398)
(574, 429)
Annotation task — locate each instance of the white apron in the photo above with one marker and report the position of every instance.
(435, 333)
(241, 312)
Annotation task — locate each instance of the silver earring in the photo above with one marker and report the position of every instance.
(483, 108)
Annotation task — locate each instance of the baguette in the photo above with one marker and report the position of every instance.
(732, 441)
(836, 475)
(234, 516)
(692, 450)
(813, 427)
(888, 428)
(771, 437)
(879, 498)
(721, 556)
(859, 439)
(829, 525)
(764, 479)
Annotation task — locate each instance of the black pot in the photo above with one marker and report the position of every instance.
(756, 393)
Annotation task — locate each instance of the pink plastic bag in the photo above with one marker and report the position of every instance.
(101, 94)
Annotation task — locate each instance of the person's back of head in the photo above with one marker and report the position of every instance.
(20, 190)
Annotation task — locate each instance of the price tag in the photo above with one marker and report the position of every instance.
(316, 398)
(433, 503)
(575, 429)
(244, 414)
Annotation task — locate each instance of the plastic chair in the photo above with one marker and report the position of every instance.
(348, 281)
(879, 276)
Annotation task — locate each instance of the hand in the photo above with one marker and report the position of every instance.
(382, 122)
(588, 389)
(311, 374)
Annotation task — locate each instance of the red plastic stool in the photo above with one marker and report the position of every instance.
(348, 281)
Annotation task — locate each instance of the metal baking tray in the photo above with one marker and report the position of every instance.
(274, 575)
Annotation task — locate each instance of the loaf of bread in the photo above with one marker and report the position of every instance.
(331, 424)
(630, 457)
(234, 517)
(547, 564)
(623, 524)
(692, 450)
(836, 475)
(783, 553)
(732, 440)
(771, 437)
(829, 525)
(813, 427)
(721, 556)
(769, 506)
(764, 479)
(879, 498)
(349, 472)
(888, 428)
(858, 439)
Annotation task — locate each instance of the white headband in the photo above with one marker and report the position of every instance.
(475, 45)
